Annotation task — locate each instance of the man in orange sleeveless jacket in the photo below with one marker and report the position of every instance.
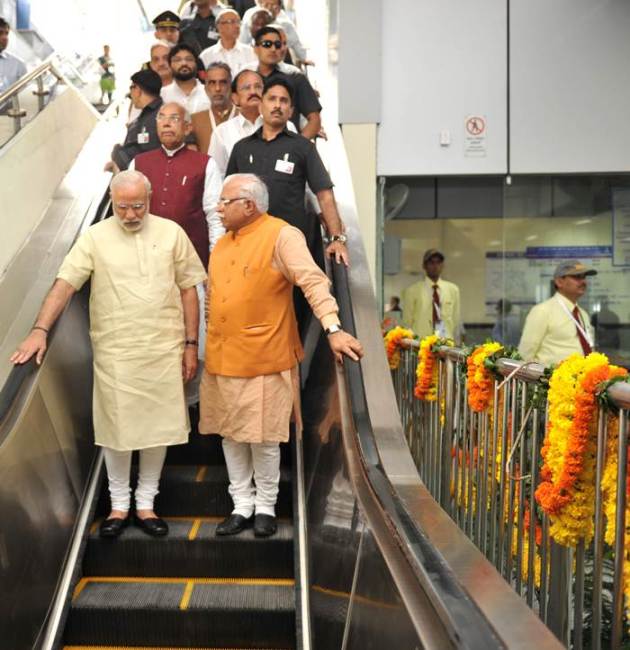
(249, 387)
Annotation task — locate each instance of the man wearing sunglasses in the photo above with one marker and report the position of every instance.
(269, 50)
(558, 327)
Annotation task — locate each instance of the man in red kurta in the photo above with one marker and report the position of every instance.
(186, 186)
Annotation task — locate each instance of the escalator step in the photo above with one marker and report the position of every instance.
(200, 491)
(199, 612)
(191, 549)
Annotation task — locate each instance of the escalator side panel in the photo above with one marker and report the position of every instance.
(46, 451)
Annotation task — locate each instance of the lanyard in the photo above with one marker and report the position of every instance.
(583, 331)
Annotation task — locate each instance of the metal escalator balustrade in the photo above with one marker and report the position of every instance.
(577, 592)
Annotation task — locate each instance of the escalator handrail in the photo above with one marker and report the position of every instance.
(20, 373)
(463, 617)
(48, 66)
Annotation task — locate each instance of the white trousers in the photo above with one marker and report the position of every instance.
(118, 465)
(257, 461)
(191, 389)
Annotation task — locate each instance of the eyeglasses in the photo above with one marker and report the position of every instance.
(226, 202)
(234, 21)
(136, 207)
(269, 44)
(169, 118)
(132, 87)
(252, 86)
(187, 59)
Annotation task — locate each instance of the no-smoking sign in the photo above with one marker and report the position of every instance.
(475, 136)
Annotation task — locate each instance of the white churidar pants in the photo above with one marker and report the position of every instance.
(260, 461)
(191, 389)
(118, 465)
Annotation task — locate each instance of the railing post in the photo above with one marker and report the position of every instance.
(16, 113)
(447, 434)
(559, 589)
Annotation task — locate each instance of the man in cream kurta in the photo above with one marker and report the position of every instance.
(143, 326)
(432, 305)
(559, 327)
(249, 388)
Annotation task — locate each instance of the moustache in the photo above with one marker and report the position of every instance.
(254, 97)
(277, 112)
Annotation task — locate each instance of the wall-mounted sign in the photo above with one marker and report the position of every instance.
(475, 130)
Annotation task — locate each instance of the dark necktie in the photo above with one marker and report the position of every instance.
(436, 305)
(586, 346)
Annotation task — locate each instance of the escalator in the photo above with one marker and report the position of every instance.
(191, 588)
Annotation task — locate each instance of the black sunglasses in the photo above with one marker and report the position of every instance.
(269, 44)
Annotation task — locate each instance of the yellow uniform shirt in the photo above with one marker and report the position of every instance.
(418, 308)
(136, 328)
(550, 334)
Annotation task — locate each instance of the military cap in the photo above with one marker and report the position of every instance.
(167, 19)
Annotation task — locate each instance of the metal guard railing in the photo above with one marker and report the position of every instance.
(10, 97)
(461, 457)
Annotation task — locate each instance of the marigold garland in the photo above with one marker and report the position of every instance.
(567, 489)
(392, 341)
(427, 370)
(479, 377)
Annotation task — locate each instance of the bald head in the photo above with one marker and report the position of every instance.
(173, 125)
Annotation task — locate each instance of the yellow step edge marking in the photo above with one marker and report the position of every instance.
(194, 529)
(190, 585)
(201, 473)
(135, 647)
(357, 597)
(257, 582)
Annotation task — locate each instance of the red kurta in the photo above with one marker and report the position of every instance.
(178, 183)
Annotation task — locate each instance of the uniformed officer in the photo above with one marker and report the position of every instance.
(167, 27)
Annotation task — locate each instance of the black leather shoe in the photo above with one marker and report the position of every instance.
(153, 526)
(265, 526)
(233, 525)
(113, 527)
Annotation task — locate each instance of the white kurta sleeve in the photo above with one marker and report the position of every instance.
(78, 264)
(211, 194)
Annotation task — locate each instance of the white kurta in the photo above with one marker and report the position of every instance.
(137, 328)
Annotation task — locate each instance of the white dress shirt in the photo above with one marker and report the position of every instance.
(227, 134)
(12, 68)
(211, 193)
(239, 57)
(196, 102)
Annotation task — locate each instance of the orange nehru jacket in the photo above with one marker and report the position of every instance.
(251, 328)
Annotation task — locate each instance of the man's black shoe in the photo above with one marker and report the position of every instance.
(113, 527)
(265, 526)
(153, 526)
(233, 525)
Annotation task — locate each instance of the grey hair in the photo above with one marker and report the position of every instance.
(129, 177)
(221, 65)
(187, 116)
(160, 43)
(253, 188)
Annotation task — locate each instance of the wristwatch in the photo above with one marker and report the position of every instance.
(333, 329)
(342, 239)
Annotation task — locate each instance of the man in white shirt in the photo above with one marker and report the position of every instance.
(186, 89)
(229, 50)
(558, 327)
(247, 90)
(12, 68)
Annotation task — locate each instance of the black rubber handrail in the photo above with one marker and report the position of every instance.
(468, 625)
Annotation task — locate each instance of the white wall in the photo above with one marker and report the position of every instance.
(44, 150)
(570, 86)
(443, 60)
